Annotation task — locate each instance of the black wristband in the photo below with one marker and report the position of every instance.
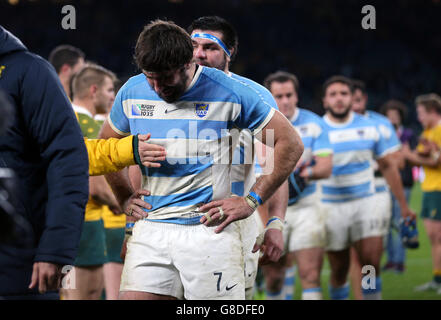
(135, 145)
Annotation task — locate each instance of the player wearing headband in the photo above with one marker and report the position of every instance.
(189, 243)
(215, 44)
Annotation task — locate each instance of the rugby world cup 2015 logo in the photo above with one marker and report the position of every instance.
(201, 109)
(136, 110)
(142, 110)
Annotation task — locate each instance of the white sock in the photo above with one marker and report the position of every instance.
(289, 284)
(312, 294)
(274, 296)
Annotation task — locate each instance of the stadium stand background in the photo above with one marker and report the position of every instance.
(313, 39)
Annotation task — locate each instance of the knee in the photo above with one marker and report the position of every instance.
(339, 275)
(310, 274)
(436, 238)
(274, 280)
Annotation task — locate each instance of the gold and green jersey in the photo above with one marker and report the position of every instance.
(432, 176)
(110, 219)
(109, 155)
(90, 129)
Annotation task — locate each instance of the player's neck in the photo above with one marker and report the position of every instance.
(435, 120)
(66, 87)
(294, 114)
(337, 119)
(86, 104)
(191, 72)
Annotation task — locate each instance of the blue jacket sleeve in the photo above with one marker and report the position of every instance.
(53, 127)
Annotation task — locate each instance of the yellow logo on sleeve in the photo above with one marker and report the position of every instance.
(1, 70)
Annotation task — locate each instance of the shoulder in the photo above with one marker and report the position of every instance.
(237, 85)
(360, 120)
(309, 115)
(377, 117)
(136, 86)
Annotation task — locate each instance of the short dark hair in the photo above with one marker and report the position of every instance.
(216, 23)
(394, 105)
(91, 74)
(281, 76)
(359, 85)
(65, 54)
(430, 101)
(163, 46)
(337, 79)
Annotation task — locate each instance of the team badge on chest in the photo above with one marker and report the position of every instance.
(201, 109)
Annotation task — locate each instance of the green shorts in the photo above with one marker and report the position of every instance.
(114, 241)
(431, 208)
(92, 249)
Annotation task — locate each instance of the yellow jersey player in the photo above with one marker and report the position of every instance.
(428, 155)
(93, 92)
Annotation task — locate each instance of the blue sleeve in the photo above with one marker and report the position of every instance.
(53, 127)
(382, 147)
(388, 133)
(321, 142)
(255, 110)
(118, 119)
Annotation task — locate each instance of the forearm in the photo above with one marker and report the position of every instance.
(109, 155)
(418, 160)
(278, 202)
(393, 179)
(322, 169)
(119, 182)
(102, 194)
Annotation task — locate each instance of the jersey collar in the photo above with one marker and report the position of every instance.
(295, 115)
(339, 125)
(82, 110)
(195, 78)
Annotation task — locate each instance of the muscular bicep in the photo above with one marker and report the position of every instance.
(278, 128)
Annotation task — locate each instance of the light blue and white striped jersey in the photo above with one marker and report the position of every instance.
(195, 133)
(313, 132)
(356, 143)
(243, 170)
(388, 132)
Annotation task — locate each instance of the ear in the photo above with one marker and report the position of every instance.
(65, 68)
(93, 89)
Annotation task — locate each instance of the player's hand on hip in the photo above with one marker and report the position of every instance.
(47, 276)
(134, 206)
(150, 153)
(271, 247)
(223, 212)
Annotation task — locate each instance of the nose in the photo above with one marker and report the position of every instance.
(199, 52)
(156, 85)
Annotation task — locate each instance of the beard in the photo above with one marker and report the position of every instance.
(341, 115)
(173, 93)
(220, 66)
